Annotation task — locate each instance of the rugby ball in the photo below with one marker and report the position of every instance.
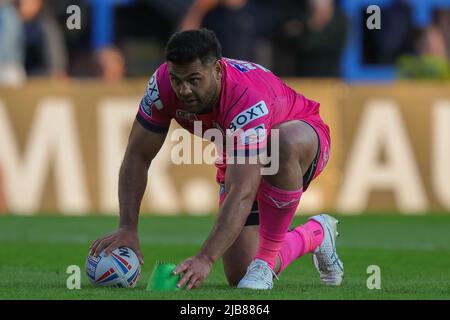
(120, 268)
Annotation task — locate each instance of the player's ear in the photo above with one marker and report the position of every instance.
(218, 70)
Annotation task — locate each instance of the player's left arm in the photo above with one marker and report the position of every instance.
(247, 127)
(242, 181)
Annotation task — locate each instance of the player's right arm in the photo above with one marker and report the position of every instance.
(143, 146)
(146, 139)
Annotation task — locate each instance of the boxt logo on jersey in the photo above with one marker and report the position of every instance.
(254, 112)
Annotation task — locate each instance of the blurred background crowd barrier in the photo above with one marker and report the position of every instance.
(70, 87)
(117, 39)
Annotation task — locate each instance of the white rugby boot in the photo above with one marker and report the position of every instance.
(259, 276)
(325, 257)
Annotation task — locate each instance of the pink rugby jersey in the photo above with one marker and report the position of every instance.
(252, 98)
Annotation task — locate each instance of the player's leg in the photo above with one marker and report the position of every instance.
(318, 234)
(301, 240)
(298, 147)
(239, 255)
(278, 197)
(307, 237)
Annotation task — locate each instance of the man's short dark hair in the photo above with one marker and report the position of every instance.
(187, 46)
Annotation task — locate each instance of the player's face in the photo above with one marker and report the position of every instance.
(196, 85)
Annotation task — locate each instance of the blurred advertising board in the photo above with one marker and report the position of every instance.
(61, 146)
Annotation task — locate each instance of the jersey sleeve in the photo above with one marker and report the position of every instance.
(151, 114)
(248, 126)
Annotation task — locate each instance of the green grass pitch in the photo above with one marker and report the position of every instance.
(413, 253)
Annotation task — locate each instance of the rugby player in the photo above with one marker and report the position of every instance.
(251, 232)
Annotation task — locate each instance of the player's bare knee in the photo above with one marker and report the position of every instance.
(288, 147)
(298, 143)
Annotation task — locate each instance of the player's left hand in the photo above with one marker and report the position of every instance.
(196, 269)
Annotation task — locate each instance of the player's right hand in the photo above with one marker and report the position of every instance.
(120, 238)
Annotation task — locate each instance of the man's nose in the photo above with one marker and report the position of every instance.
(185, 90)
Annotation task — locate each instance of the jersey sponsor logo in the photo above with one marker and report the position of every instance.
(146, 107)
(254, 112)
(151, 96)
(244, 66)
(254, 135)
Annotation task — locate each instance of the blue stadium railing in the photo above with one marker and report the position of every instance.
(103, 21)
(353, 69)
